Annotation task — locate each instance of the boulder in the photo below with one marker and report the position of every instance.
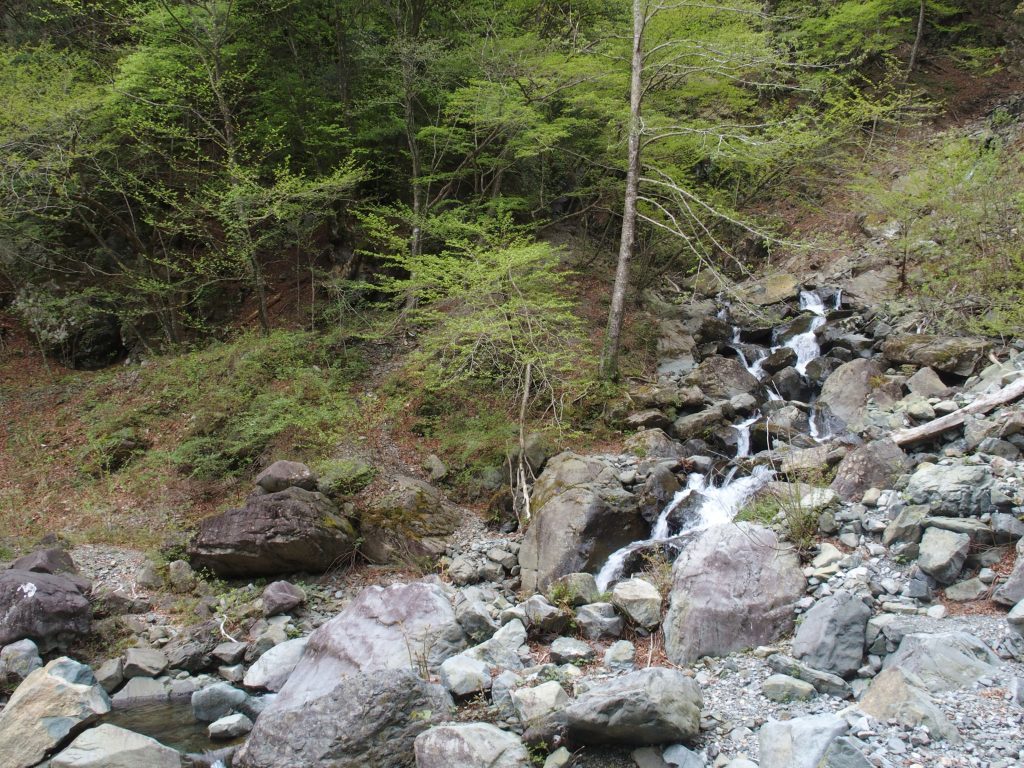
(950, 354)
(944, 661)
(620, 656)
(110, 674)
(284, 532)
(216, 701)
(823, 682)
(470, 745)
(1015, 619)
(733, 587)
(926, 383)
(798, 743)
(502, 650)
(873, 465)
(581, 514)
(783, 688)
(893, 695)
(272, 670)
(411, 520)
(18, 660)
(770, 290)
(143, 690)
(958, 490)
(51, 705)
(108, 746)
(144, 662)
(653, 444)
(721, 378)
(286, 474)
(598, 620)
(831, 635)
(650, 706)
(52, 560)
(1011, 591)
(404, 626)
(534, 704)
(907, 527)
(568, 650)
(349, 721)
(48, 609)
(943, 553)
(229, 727)
(574, 589)
(846, 391)
(281, 597)
(464, 675)
(639, 600)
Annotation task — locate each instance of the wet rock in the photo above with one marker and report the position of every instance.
(45, 608)
(951, 354)
(216, 701)
(51, 704)
(108, 746)
(286, 474)
(734, 587)
(798, 743)
(783, 357)
(581, 515)
(229, 727)
(346, 722)
(470, 745)
(650, 706)
(284, 532)
(831, 636)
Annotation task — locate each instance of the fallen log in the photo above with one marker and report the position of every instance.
(983, 404)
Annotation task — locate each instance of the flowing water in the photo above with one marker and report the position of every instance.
(169, 722)
(719, 504)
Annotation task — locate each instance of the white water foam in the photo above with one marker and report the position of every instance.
(721, 504)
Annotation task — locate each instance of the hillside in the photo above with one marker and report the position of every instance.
(322, 443)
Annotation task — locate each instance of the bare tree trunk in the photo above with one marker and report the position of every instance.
(610, 355)
(917, 39)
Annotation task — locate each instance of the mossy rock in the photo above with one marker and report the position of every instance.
(345, 477)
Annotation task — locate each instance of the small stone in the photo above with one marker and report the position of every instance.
(110, 674)
(965, 591)
(598, 620)
(783, 688)
(181, 576)
(567, 650)
(229, 727)
(281, 597)
(620, 656)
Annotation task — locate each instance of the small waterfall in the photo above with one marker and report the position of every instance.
(838, 299)
(743, 436)
(721, 503)
(806, 344)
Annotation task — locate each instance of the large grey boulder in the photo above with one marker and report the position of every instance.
(798, 743)
(285, 532)
(957, 490)
(108, 746)
(650, 706)
(943, 553)
(733, 587)
(404, 626)
(831, 635)
(348, 721)
(873, 465)
(51, 705)
(944, 661)
(847, 389)
(896, 695)
(959, 355)
(581, 514)
(48, 609)
(470, 745)
(272, 670)
(286, 474)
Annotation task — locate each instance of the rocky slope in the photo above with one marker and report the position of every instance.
(779, 571)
